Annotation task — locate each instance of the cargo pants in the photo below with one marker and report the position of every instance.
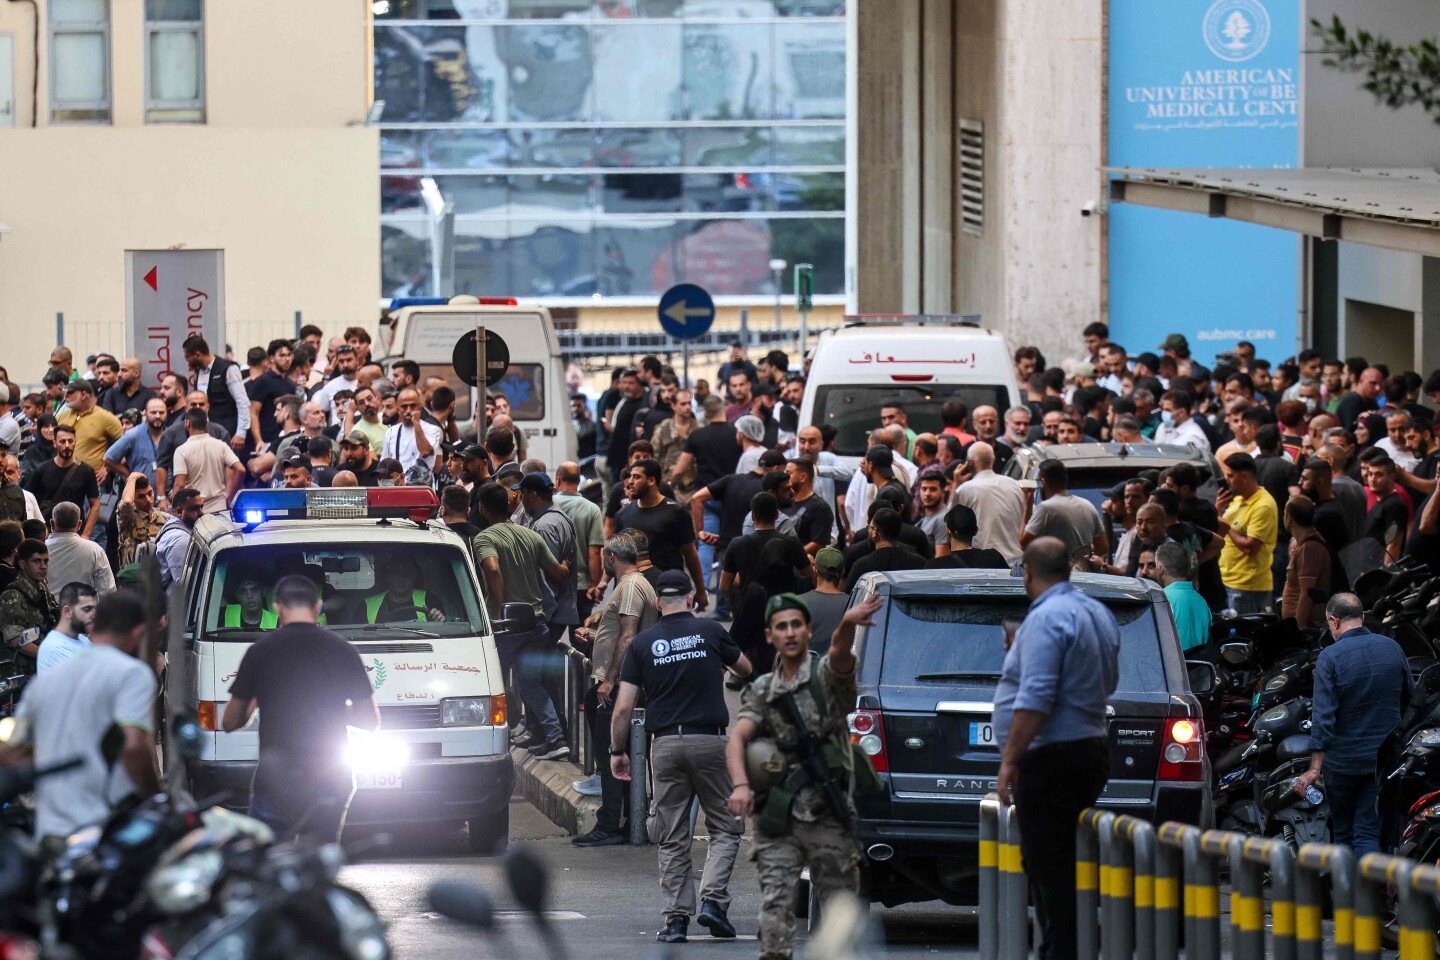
(834, 864)
(685, 767)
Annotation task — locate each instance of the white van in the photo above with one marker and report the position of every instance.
(920, 361)
(534, 384)
(442, 751)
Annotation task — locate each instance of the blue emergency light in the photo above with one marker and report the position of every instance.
(254, 507)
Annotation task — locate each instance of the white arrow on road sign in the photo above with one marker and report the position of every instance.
(680, 313)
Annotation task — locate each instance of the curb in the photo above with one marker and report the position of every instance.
(546, 785)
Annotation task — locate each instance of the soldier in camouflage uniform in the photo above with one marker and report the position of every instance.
(811, 834)
(136, 518)
(28, 610)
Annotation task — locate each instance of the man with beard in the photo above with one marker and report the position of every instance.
(622, 421)
(172, 391)
(357, 456)
(175, 435)
(345, 379)
(365, 417)
(135, 451)
(128, 393)
(224, 387)
(77, 615)
(986, 421)
(270, 386)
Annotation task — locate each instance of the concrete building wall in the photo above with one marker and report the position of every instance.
(281, 176)
(1031, 72)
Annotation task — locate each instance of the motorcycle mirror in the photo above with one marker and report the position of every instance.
(464, 903)
(528, 878)
(1235, 653)
(1204, 678)
(185, 728)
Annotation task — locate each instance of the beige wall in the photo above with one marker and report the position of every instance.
(282, 177)
(300, 64)
(1031, 71)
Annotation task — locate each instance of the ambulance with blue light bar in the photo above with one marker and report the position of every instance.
(401, 587)
(425, 330)
(919, 360)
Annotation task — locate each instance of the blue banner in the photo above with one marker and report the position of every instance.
(1203, 83)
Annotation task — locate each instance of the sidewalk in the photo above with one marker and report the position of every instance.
(546, 785)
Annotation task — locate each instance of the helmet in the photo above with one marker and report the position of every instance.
(765, 765)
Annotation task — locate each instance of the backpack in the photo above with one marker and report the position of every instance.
(12, 502)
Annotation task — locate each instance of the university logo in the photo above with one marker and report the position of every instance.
(1237, 30)
(660, 648)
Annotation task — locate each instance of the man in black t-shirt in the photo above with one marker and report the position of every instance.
(311, 685)
(269, 387)
(1318, 483)
(768, 557)
(888, 554)
(962, 526)
(63, 479)
(733, 492)
(680, 663)
(712, 449)
(1388, 522)
(665, 523)
(814, 519)
(912, 538)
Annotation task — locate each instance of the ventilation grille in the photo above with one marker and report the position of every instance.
(972, 177)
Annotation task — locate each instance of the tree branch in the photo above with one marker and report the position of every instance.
(1397, 75)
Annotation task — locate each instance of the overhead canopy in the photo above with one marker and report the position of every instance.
(1395, 209)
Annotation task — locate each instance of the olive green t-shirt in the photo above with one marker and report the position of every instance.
(523, 555)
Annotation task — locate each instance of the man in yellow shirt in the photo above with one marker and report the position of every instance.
(1249, 522)
(95, 427)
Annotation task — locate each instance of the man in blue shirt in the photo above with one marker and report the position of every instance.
(1060, 668)
(134, 452)
(1362, 685)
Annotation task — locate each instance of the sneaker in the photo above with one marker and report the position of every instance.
(599, 838)
(589, 787)
(528, 741)
(674, 932)
(559, 750)
(712, 917)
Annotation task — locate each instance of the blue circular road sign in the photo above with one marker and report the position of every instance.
(686, 311)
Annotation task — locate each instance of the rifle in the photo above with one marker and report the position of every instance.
(813, 768)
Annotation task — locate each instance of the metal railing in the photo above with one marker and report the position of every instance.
(1138, 887)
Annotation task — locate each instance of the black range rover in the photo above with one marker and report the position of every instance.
(927, 672)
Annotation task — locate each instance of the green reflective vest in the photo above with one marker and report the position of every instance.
(372, 604)
(268, 618)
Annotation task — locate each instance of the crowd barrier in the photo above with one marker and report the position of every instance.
(1144, 891)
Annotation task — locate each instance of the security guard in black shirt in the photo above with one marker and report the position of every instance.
(680, 663)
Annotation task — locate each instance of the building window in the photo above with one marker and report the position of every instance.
(79, 61)
(580, 170)
(174, 61)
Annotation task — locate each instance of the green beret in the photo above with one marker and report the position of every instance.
(130, 573)
(785, 601)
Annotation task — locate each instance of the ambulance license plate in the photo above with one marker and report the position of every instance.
(378, 780)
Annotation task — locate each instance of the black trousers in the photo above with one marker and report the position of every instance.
(1057, 781)
(614, 795)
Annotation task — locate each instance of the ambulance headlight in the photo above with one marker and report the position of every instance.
(375, 751)
(465, 712)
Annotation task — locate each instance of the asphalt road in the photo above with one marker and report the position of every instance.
(604, 902)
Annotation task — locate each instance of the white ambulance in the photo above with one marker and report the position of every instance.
(920, 361)
(534, 384)
(442, 751)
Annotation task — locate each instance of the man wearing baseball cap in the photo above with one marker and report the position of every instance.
(1176, 346)
(827, 602)
(357, 457)
(680, 663)
(95, 427)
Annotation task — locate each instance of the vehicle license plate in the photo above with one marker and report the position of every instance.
(982, 734)
(378, 780)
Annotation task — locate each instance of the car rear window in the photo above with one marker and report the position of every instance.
(853, 409)
(949, 640)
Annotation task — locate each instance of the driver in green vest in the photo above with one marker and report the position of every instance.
(251, 610)
(405, 600)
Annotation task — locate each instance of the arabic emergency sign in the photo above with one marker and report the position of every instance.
(171, 295)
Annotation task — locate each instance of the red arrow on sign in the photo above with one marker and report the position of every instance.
(150, 279)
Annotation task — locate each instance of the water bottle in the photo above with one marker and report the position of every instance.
(1313, 794)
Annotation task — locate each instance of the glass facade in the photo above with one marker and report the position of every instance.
(612, 148)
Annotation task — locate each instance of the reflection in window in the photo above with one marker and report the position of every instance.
(727, 71)
(79, 61)
(174, 61)
(631, 85)
(638, 148)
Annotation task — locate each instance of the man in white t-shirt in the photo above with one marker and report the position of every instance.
(79, 704)
(998, 501)
(207, 464)
(77, 616)
(413, 441)
(345, 380)
(1177, 425)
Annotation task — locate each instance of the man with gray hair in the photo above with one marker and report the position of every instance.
(1362, 685)
(1397, 421)
(73, 559)
(1189, 610)
(630, 608)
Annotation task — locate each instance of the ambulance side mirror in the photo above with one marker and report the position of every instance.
(516, 618)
